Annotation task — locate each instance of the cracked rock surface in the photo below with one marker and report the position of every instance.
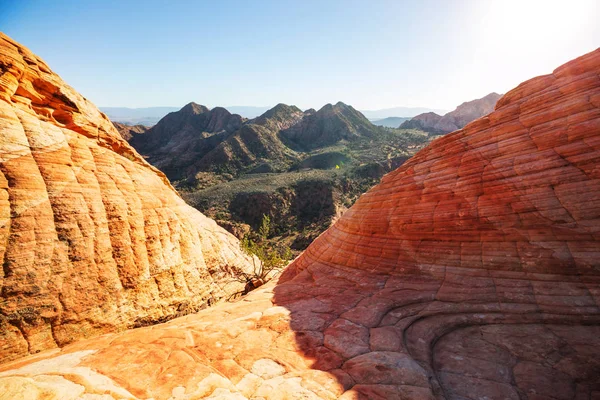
(471, 272)
(92, 238)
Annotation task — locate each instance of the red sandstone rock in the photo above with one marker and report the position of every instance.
(470, 272)
(92, 238)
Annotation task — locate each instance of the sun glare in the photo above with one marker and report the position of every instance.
(514, 25)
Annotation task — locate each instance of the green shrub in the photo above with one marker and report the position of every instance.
(267, 258)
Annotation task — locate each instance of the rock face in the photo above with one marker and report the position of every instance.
(472, 271)
(457, 119)
(129, 131)
(92, 238)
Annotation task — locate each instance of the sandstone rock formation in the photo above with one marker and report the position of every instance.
(470, 272)
(92, 238)
(467, 112)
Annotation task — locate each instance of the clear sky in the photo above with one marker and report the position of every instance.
(371, 54)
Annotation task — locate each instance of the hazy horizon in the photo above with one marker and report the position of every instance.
(375, 55)
(254, 111)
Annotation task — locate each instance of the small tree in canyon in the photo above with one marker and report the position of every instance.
(267, 258)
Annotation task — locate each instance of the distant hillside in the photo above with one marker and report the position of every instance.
(330, 125)
(425, 122)
(302, 168)
(197, 139)
(182, 137)
(137, 116)
(151, 115)
(457, 119)
(390, 122)
(255, 144)
(407, 112)
(128, 131)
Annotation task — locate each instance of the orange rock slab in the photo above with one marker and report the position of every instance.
(473, 271)
(92, 238)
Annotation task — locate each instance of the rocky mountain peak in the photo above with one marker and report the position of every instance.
(281, 110)
(194, 109)
(282, 116)
(329, 125)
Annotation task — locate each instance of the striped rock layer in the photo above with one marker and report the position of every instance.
(473, 271)
(92, 238)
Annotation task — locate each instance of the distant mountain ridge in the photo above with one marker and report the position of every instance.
(329, 125)
(128, 131)
(184, 136)
(137, 116)
(197, 138)
(301, 168)
(403, 112)
(457, 119)
(149, 116)
(390, 122)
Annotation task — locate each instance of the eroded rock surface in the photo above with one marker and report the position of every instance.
(92, 238)
(470, 272)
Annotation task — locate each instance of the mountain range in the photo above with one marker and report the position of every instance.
(197, 138)
(301, 168)
(151, 115)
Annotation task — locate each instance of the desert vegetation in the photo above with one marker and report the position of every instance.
(268, 257)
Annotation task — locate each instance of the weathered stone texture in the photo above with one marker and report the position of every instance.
(471, 272)
(92, 238)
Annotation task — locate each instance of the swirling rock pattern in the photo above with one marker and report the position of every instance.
(92, 238)
(471, 272)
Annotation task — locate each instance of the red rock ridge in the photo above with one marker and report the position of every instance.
(92, 238)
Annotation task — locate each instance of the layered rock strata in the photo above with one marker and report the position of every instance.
(472, 271)
(92, 238)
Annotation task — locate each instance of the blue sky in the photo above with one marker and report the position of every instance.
(371, 54)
